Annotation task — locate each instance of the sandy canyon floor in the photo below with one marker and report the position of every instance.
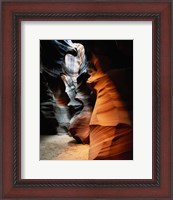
(55, 147)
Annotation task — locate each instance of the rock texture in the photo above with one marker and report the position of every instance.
(111, 142)
(79, 124)
(53, 97)
(111, 134)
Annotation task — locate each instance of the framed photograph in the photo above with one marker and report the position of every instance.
(86, 100)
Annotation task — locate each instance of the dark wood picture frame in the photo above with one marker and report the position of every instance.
(159, 187)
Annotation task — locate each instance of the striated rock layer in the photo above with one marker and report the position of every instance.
(111, 143)
(111, 132)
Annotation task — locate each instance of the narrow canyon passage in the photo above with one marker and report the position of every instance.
(86, 100)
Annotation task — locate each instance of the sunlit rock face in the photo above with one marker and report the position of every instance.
(111, 135)
(111, 142)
